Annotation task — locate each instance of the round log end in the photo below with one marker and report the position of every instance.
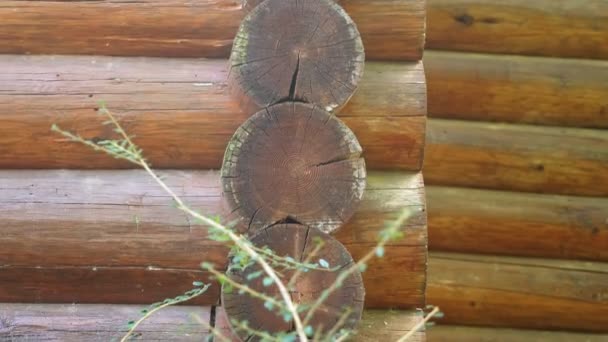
(296, 50)
(299, 242)
(293, 162)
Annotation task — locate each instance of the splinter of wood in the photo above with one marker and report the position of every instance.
(293, 163)
(296, 50)
(298, 242)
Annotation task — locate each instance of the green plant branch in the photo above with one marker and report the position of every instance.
(179, 299)
(386, 235)
(245, 288)
(133, 154)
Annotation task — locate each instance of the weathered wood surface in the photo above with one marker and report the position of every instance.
(391, 29)
(293, 161)
(548, 91)
(341, 310)
(546, 27)
(570, 161)
(180, 111)
(520, 224)
(519, 292)
(315, 57)
(113, 237)
(376, 325)
(455, 333)
(96, 323)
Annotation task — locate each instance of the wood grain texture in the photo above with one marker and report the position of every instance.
(290, 50)
(547, 91)
(519, 292)
(546, 27)
(520, 224)
(455, 333)
(391, 29)
(570, 161)
(341, 310)
(180, 111)
(96, 323)
(293, 162)
(80, 236)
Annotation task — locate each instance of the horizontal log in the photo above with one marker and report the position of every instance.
(546, 27)
(519, 292)
(82, 322)
(520, 224)
(455, 333)
(548, 91)
(180, 111)
(113, 237)
(390, 29)
(571, 161)
(96, 323)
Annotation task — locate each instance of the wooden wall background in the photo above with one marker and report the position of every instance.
(80, 227)
(517, 168)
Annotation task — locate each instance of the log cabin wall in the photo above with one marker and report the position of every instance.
(81, 227)
(516, 167)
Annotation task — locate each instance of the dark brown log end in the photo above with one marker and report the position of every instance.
(293, 162)
(296, 50)
(299, 242)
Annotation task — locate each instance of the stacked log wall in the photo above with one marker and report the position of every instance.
(516, 165)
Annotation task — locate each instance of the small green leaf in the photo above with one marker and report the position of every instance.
(130, 323)
(288, 338)
(254, 275)
(286, 316)
(362, 268)
(267, 281)
(323, 263)
(309, 331)
(379, 251)
(268, 305)
(290, 259)
(198, 283)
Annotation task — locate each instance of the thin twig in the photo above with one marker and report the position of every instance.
(240, 241)
(162, 306)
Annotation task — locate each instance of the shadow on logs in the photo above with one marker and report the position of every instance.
(289, 50)
(305, 245)
(293, 162)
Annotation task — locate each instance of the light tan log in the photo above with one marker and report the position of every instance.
(391, 29)
(519, 224)
(519, 292)
(548, 91)
(96, 323)
(517, 157)
(180, 111)
(113, 237)
(545, 27)
(456, 333)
